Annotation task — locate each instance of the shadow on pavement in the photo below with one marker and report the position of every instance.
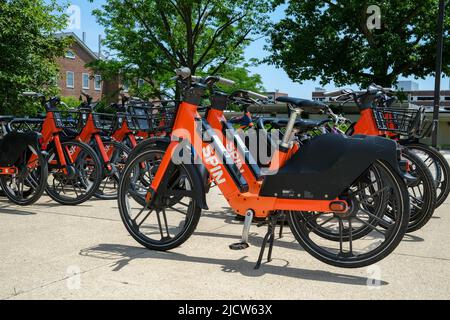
(4, 210)
(412, 238)
(123, 255)
(255, 239)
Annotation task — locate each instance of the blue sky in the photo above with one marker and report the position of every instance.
(273, 78)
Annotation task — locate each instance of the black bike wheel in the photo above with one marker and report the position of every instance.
(170, 225)
(27, 186)
(110, 183)
(422, 192)
(438, 166)
(364, 192)
(82, 176)
(386, 233)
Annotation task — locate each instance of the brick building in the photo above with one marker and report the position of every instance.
(75, 76)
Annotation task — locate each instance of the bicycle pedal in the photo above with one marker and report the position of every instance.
(239, 246)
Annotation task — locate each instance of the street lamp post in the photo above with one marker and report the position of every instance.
(437, 86)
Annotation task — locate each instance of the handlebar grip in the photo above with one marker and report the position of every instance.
(333, 93)
(183, 72)
(226, 82)
(32, 94)
(257, 95)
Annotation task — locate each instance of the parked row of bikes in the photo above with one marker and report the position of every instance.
(349, 191)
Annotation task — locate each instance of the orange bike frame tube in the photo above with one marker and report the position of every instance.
(366, 124)
(125, 132)
(216, 118)
(186, 128)
(59, 150)
(90, 130)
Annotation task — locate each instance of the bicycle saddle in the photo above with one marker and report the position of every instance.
(306, 105)
(303, 125)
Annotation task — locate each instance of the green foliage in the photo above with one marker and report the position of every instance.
(71, 101)
(330, 40)
(28, 48)
(150, 38)
(243, 78)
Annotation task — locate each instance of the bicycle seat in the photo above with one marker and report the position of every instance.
(304, 104)
(303, 124)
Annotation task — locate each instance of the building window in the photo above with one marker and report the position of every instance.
(98, 82)
(85, 81)
(70, 54)
(70, 79)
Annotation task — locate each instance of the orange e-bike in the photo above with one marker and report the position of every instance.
(332, 174)
(396, 123)
(73, 166)
(95, 129)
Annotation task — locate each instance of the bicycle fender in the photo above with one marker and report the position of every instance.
(198, 172)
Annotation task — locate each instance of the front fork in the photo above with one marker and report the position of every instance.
(163, 169)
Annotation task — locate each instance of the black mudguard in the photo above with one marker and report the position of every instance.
(198, 172)
(327, 165)
(14, 144)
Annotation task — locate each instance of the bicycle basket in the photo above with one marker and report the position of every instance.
(70, 120)
(105, 122)
(404, 122)
(25, 125)
(153, 119)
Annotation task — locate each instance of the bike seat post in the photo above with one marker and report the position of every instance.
(290, 127)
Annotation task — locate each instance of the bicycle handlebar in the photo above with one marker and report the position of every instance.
(226, 82)
(32, 94)
(257, 95)
(184, 73)
(333, 93)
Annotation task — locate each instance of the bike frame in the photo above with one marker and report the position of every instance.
(8, 171)
(51, 133)
(123, 131)
(91, 133)
(225, 174)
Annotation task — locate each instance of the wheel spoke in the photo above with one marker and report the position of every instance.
(178, 210)
(374, 228)
(159, 224)
(145, 218)
(380, 220)
(165, 221)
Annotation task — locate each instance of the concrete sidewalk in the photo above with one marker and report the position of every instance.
(43, 246)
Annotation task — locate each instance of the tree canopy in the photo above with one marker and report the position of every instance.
(150, 38)
(335, 41)
(28, 47)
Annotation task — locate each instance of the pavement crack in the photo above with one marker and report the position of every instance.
(421, 257)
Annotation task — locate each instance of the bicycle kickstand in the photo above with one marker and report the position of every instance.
(268, 238)
(247, 224)
(282, 222)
